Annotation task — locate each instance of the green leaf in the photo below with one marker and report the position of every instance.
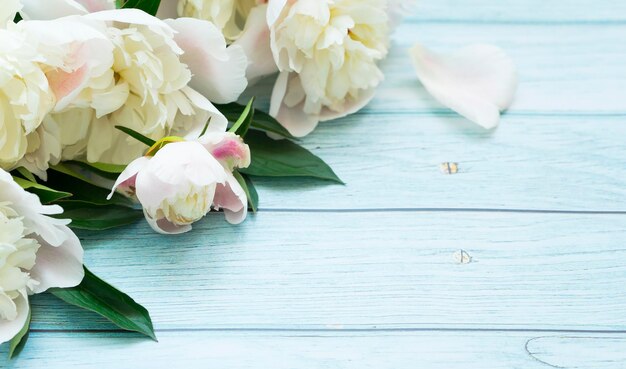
(137, 136)
(262, 121)
(246, 183)
(19, 341)
(26, 174)
(284, 158)
(245, 119)
(46, 194)
(96, 295)
(98, 218)
(84, 190)
(108, 171)
(148, 6)
(18, 17)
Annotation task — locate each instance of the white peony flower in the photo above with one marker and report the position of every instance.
(184, 180)
(51, 9)
(8, 10)
(477, 81)
(229, 16)
(25, 97)
(37, 252)
(73, 56)
(327, 52)
(136, 79)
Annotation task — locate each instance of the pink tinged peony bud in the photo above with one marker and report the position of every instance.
(183, 181)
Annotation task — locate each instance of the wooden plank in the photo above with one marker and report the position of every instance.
(563, 69)
(553, 12)
(557, 148)
(395, 161)
(340, 350)
(367, 270)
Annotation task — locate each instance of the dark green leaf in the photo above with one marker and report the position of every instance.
(19, 341)
(137, 136)
(17, 18)
(283, 158)
(242, 124)
(98, 218)
(96, 295)
(84, 190)
(148, 6)
(246, 183)
(45, 194)
(262, 121)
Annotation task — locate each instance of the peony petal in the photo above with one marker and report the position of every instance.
(128, 176)
(50, 9)
(477, 81)
(350, 106)
(8, 10)
(60, 266)
(219, 73)
(174, 165)
(93, 6)
(255, 40)
(274, 9)
(293, 118)
(232, 198)
(9, 328)
(164, 226)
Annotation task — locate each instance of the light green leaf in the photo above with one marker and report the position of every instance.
(19, 341)
(242, 124)
(98, 218)
(148, 6)
(246, 183)
(96, 295)
(46, 194)
(262, 121)
(283, 158)
(26, 174)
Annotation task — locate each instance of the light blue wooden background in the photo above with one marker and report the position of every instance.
(364, 276)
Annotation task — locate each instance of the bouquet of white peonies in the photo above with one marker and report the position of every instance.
(113, 111)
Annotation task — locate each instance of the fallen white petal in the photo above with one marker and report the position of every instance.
(477, 81)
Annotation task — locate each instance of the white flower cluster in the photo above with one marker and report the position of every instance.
(37, 252)
(67, 82)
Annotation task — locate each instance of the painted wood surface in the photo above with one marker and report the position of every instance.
(517, 261)
(368, 270)
(326, 350)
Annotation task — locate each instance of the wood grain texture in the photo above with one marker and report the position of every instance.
(321, 350)
(366, 275)
(394, 161)
(565, 70)
(566, 124)
(520, 11)
(367, 270)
